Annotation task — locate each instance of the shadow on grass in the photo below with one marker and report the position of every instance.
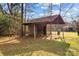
(29, 46)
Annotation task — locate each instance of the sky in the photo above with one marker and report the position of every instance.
(68, 11)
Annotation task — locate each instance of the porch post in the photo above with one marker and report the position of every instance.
(24, 30)
(34, 32)
(63, 33)
(50, 31)
(46, 32)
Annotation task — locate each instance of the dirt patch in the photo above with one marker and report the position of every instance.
(5, 40)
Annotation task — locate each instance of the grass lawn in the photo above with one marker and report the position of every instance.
(29, 47)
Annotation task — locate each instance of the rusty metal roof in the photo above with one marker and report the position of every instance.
(55, 19)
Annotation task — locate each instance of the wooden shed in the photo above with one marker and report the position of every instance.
(38, 26)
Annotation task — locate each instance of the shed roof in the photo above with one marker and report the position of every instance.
(55, 19)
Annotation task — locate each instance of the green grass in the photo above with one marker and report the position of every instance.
(72, 35)
(35, 48)
(30, 47)
(73, 40)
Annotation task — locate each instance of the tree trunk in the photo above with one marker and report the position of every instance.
(21, 19)
(78, 32)
(77, 25)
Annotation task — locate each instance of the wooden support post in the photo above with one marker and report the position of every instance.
(50, 31)
(46, 32)
(34, 32)
(63, 33)
(24, 30)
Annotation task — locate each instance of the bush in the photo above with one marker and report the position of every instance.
(8, 25)
(4, 25)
